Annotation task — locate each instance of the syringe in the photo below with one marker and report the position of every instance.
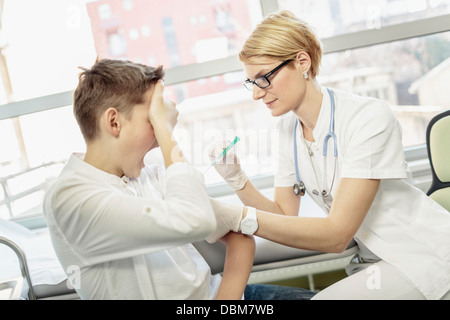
(224, 152)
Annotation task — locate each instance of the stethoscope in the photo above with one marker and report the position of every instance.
(299, 187)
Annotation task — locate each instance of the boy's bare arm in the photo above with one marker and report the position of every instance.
(239, 258)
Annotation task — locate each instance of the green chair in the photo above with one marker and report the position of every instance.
(438, 147)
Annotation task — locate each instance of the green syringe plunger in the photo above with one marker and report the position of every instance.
(224, 152)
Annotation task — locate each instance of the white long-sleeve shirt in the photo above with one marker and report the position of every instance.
(130, 238)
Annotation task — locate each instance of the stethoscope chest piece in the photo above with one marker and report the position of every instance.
(299, 188)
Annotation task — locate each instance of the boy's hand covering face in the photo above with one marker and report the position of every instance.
(162, 111)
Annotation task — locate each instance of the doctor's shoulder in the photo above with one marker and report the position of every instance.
(356, 108)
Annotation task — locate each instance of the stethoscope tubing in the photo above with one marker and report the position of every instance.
(299, 187)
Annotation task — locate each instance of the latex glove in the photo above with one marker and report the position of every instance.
(229, 167)
(228, 216)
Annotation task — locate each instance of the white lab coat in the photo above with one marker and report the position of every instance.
(130, 238)
(403, 227)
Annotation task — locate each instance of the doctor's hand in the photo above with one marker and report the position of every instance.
(228, 217)
(228, 167)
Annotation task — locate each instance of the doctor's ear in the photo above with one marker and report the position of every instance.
(304, 60)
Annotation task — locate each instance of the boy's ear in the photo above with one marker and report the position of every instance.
(112, 121)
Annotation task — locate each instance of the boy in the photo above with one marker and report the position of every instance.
(126, 228)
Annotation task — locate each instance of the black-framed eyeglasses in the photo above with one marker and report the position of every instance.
(263, 82)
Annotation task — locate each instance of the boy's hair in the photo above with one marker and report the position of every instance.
(281, 36)
(110, 83)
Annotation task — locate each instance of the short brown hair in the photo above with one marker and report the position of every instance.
(281, 36)
(109, 83)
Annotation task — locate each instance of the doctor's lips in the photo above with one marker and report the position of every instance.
(270, 103)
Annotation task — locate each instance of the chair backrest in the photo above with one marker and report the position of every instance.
(438, 147)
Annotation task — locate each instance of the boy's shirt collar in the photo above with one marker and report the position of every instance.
(77, 164)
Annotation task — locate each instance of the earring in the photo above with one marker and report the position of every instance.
(305, 75)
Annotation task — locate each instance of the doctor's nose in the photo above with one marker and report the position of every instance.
(258, 93)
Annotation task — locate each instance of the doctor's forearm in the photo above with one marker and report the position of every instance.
(318, 234)
(251, 197)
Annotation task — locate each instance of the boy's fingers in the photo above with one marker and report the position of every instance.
(160, 82)
(159, 89)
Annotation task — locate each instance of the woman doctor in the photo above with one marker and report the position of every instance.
(360, 183)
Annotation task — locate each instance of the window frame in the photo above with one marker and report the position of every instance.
(180, 74)
(416, 156)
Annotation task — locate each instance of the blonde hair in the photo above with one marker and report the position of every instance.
(282, 36)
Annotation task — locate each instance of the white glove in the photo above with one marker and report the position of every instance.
(228, 216)
(228, 167)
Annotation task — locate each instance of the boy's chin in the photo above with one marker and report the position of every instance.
(154, 145)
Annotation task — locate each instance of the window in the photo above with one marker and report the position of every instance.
(410, 75)
(73, 34)
(403, 73)
(43, 57)
(117, 44)
(179, 25)
(221, 116)
(396, 50)
(171, 41)
(336, 17)
(35, 157)
(104, 12)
